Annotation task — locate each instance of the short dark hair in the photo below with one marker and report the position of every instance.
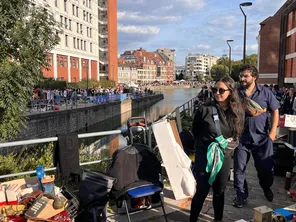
(252, 69)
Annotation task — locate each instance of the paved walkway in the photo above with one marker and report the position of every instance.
(179, 210)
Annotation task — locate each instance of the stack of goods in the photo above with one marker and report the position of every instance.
(36, 199)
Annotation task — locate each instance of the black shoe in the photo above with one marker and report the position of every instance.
(269, 195)
(239, 202)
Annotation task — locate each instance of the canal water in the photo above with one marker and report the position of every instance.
(105, 146)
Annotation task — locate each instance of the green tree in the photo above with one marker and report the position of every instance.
(27, 34)
(218, 71)
(252, 59)
(236, 65)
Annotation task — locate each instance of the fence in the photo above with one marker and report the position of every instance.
(182, 111)
(178, 113)
(42, 105)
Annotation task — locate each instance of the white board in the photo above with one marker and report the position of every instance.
(175, 160)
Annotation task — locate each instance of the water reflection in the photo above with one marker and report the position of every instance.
(105, 146)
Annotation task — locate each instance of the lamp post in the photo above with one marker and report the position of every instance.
(227, 41)
(245, 4)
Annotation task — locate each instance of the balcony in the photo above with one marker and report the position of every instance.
(103, 62)
(102, 8)
(103, 48)
(103, 20)
(103, 35)
(102, 3)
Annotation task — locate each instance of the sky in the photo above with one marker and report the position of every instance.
(191, 26)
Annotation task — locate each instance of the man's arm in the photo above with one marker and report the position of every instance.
(274, 123)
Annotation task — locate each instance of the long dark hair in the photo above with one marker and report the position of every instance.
(236, 118)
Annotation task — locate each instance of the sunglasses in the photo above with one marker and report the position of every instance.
(221, 91)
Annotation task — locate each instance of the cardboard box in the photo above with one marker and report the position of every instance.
(287, 121)
(262, 214)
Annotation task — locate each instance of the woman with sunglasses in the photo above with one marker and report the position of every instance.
(231, 120)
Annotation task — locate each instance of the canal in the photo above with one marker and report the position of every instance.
(105, 146)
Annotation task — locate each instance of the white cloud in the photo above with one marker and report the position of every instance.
(225, 21)
(137, 17)
(150, 30)
(266, 6)
(163, 9)
(253, 47)
(197, 48)
(194, 5)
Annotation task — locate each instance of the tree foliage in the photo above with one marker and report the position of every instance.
(27, 34)
(218, 71)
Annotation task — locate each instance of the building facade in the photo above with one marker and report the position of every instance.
(88, 41)
(127, 72)
(151, 66)
(269, 47)
(199, 64)
(287, 56)
(179, 70)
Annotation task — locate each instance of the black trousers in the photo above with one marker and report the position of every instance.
(262, 153)
(203, 186)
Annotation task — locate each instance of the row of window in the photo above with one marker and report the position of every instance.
(80, 44)
(87, 16)
(67, 24)
(62, 61)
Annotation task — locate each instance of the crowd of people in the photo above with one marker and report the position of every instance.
(70, 96)
(232, 123)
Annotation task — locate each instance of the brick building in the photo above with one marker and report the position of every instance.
(88, 41)
(151, 66)
(287, 56)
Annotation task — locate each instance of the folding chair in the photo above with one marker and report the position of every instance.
(140, 192)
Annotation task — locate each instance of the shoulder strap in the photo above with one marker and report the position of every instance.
(216, 120)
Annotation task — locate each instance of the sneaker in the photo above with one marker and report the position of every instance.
(239, 202)
(269, 195)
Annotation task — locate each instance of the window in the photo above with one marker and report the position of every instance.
(78, 42)
(61, 20)
(74, 42)
(73, 9)
(77, 11)
(77, 27)
(84, 45)
(81, 29)
(66, 23)
(86, 3)
(89, 3)
(90, 18)
(70, 27)
(84, 14)
(65, 5)
(56, 3)
(90, 47)
(89, 32)
(87, 16)
(66, 40)
(81, 42)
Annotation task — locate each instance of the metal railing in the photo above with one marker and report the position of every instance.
(182, 111)
(43, 105)
(186, 107)
(54, 139)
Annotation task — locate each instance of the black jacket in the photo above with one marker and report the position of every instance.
(132, 166)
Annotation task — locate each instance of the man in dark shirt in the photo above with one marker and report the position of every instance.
(256, 138)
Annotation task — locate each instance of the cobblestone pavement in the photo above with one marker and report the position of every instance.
(179, 210)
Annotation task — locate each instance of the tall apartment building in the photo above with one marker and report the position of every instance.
(199, 64)
(269, 46)
(287, 56)
(88, 46)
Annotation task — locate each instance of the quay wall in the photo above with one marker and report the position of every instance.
(49, 124)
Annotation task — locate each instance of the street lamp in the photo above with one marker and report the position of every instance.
(245, 4)
(227, 41)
